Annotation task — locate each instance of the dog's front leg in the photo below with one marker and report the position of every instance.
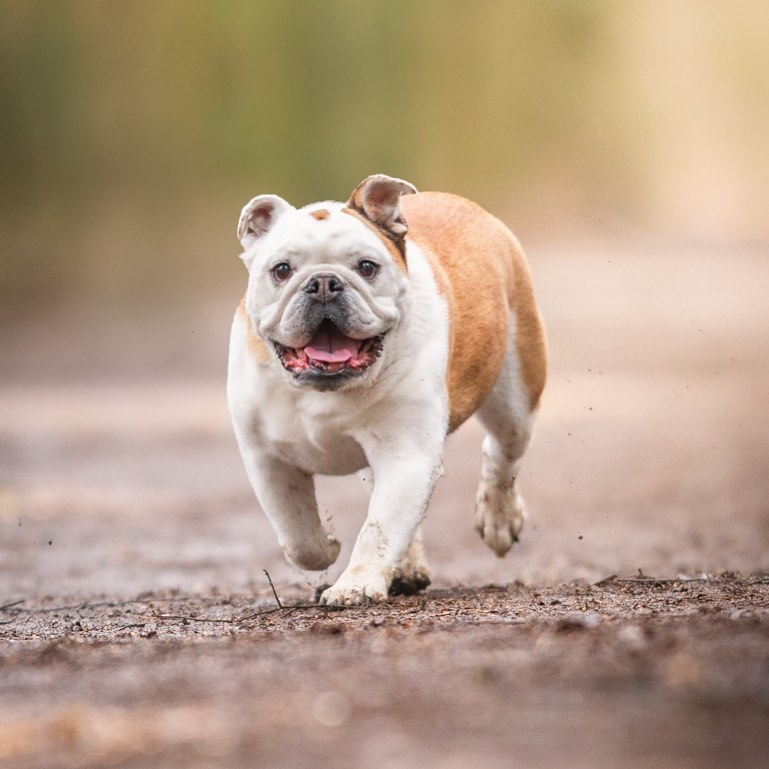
(403, 483)
(287, 496)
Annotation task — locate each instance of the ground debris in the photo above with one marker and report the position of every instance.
(190, 680)
(574, 605)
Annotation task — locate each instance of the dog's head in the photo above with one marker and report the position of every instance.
(328, 282)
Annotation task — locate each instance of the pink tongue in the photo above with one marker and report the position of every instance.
(331, 346)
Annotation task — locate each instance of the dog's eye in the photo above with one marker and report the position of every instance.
(281, 271)
(367, 268)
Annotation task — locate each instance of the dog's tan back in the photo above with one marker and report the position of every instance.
(474, 255)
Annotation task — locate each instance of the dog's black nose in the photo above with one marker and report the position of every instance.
(323, 286)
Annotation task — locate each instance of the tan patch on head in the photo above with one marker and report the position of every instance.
(256, 345)
(480, 268)
(321, 214)
(399, 257)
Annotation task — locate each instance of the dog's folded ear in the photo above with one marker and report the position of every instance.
(377, 197)
(258, 217)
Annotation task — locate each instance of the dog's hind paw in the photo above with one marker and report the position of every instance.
(409, 584)
(499, 517)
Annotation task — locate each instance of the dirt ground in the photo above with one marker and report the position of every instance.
(629, 627)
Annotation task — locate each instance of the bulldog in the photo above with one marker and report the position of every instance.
(369, 331)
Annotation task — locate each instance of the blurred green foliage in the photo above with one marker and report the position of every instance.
(133, 132)
(302, 95)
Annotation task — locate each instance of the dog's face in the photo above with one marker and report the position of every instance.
(327, 283)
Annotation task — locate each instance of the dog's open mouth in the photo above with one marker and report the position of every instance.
(331, 352)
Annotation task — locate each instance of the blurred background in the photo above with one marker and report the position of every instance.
(627, 144)
(133, 133)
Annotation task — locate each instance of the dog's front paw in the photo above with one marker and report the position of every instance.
(356, 592)
(315, 555)
(499, 516)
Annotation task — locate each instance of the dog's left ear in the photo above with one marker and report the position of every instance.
(378, 198)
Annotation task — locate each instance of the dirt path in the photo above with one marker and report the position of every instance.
(633, 673)
(137, 626)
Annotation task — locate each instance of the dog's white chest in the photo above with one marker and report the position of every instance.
(315, 444)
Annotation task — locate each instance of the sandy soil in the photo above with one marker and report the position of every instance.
(629, 627)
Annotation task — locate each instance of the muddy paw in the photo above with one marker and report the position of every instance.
(412, 573)
(352, 595)
(408, 584)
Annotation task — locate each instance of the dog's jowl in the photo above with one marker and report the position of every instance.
(369, 331)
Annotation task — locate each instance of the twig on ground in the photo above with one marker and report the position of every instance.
(190, 618)
(642, 579)
(254, 615)
(86, 605)
(274, 591)
(672, 581)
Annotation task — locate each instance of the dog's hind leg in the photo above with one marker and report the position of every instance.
(508, 418)
(412, 573)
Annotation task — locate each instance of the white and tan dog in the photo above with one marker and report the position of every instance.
(369, 331)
